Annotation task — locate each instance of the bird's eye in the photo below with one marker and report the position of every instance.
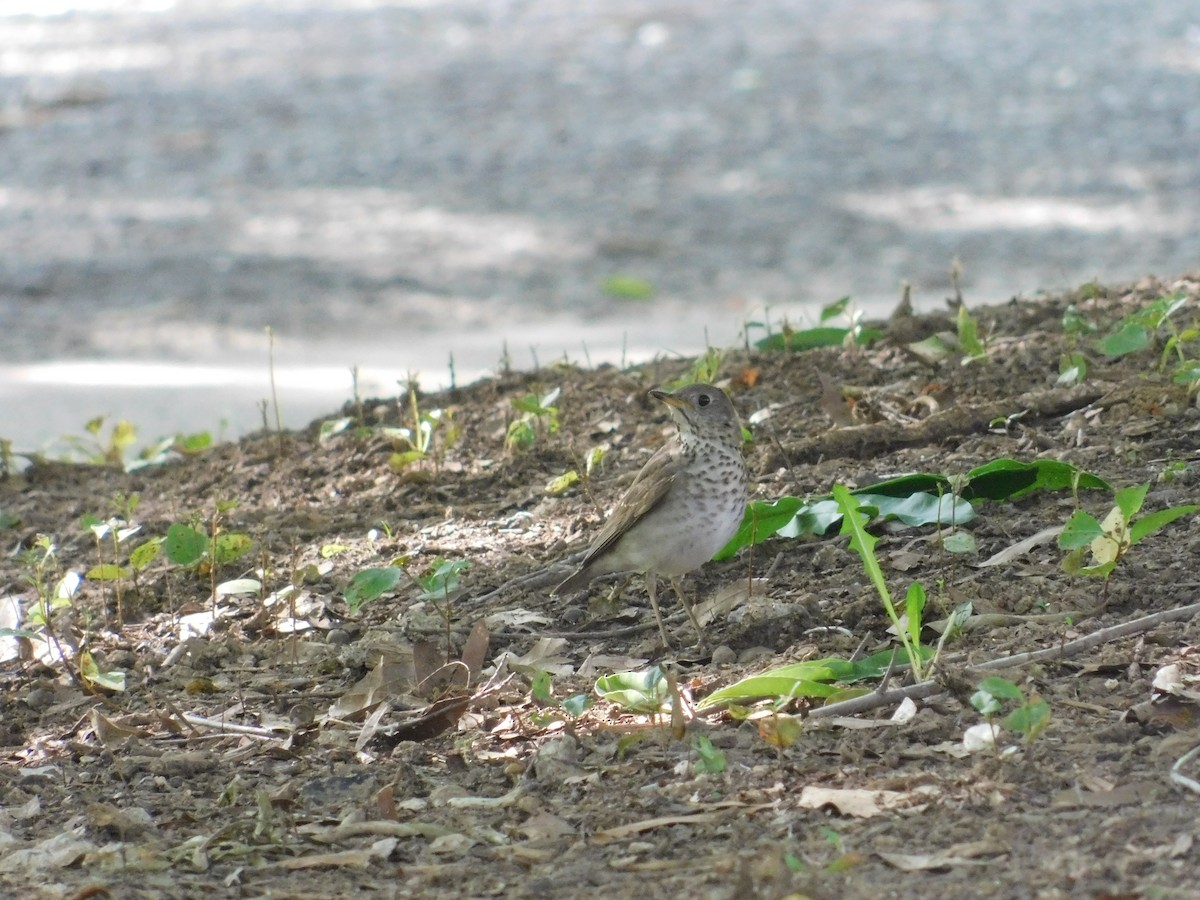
(703, 400)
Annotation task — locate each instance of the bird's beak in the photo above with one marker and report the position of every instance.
(668, 399)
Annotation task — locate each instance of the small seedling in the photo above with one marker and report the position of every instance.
(1028, 717)
(1108, 542)
(863, 542)
(710, 760)
(536, 415)
(968, 335)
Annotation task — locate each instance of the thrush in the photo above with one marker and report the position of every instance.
(684, 506)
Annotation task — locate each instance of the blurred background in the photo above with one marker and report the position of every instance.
(389, 184)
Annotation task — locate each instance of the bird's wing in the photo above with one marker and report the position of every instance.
(646, 492)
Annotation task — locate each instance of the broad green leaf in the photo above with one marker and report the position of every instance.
(184, 545)
(760, 522)
(1001, 688)
(1030, 719)
(808, 339)
(711, 760)
(442, 579)
(108, 572)
(919, 508)
(1130, 338)
(1009, 479)
(834, 309)
(645, 691)
(145, 553)
(1081, 529)
(230, 546)
(577, 704)
(1129, 500)
(1152, 522)
(1188, 372)
(370, 584)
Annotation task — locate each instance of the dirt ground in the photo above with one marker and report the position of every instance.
(269, 753)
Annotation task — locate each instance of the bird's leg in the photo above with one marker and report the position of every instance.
(676, 583)
(652, 590)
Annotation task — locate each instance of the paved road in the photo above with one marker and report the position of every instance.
(388, 182)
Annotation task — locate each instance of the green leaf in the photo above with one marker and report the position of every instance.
(1081, 529)
(968, 334)
(1187, 372)
(1129, 500)
(985, 703)
(1152, 522)
(577, 705)
(627, 287)
(403, 459)
(442, 579)
(184, 545)
(1030, 719)
(90, 672)
(1001, 688)
(108, 572)
(1130, 338)
(1009, 479)
(230, 546)
(1074, 323)
(542, 688)
(370, 584)
(760, 522)
(645, 691)
(960, 542)
(862, 542)
(808, 339)
(914, 605)
(562, 483)
(834, 309)
(191, 444)
(145, 553)
(810, 679)
(919, 508)
(711, 760)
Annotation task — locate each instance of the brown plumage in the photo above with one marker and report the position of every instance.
(685, 504)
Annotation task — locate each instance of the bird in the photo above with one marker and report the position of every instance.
(684, 505)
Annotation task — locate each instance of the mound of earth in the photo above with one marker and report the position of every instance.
(277, 740)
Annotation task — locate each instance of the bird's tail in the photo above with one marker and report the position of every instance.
(576, 582)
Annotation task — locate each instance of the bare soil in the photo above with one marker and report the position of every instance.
(254, 760)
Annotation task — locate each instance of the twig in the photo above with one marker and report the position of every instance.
(231, 728)
(1177, 777)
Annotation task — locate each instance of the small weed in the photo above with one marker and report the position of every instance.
(1028, 716)
(1108, 542)
(825, 335)
(968, 335)
(192, 547)
(537, 415)
(862, 541)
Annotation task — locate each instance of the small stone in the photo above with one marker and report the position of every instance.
(724, 656)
